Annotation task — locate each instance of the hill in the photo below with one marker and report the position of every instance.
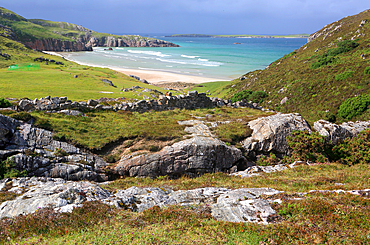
(318, 77)
(62, 36)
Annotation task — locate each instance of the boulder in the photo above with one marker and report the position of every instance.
(26, 105)
(269, 134)
(335, 134)
(202, 153)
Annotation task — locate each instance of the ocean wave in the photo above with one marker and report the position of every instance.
(155, 53)
(195, 62)
(189, 56)
(202, 59)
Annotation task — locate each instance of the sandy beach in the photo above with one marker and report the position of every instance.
(153, 77)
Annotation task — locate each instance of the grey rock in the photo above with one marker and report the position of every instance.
(269, 133)
(72, 113)
(284, 100)
(337, 133)
(26, 105)
(17, 138)
(91, 102)
(41, 192)
(200, 154)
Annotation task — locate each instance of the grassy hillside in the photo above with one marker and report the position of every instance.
(58, 80)
(30, 30)
(318, 77)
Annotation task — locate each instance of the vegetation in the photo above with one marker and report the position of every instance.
(354, 106)
(7, 170)
(100, 128)
(249, 95)
(319, 76)
(314, 218)
(4, 103)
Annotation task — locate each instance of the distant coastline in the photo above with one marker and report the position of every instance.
(242, 36)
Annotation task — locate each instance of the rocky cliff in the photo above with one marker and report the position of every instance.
(44, 35)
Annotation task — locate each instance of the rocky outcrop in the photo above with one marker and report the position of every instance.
(202, 153)
(35, 150)
(335, 134)
(240, 205)
(57, 45)
(87, 42)
(269, 134)
(128, 41)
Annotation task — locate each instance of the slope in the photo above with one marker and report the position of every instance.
(318, 77)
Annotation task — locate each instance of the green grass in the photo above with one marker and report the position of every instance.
(215, 89)
(100, 128)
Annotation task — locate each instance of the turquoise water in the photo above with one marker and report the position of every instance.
(209, 57)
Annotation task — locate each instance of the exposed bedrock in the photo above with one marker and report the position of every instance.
(202, 153)
(35, 150)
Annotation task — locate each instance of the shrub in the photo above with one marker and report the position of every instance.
(355, 150)
(258, 96)
(329, 56)
(264, 161)
(344, 75)
(307, 147)
(354, 106)
(367, 70)
(249, 95)
(4, 103)
(154, 148)
(242, 95)
(7, 169)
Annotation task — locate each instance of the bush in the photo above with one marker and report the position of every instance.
(344, 75)
(354, 106)
(59, 152)
(4, 103)
(329, 57)
(249, 95)
(307, 147)
(367, 70)
(258, 96)
(242, 95)
(7, 169)
(264, 161)
(355, 150)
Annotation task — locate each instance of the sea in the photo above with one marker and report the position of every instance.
(219, 58)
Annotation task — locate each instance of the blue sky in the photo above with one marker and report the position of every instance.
(192, 16)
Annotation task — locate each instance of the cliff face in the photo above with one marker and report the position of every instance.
(57, 45)
(128, 41)
(81, 44)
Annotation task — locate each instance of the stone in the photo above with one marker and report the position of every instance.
(91, 102)
(26, 105)
(269, 134)
(335, 134)
(72, 113)
(202, 153)
(284, 100)
(240, 205)
(17, 138)
(41, 192)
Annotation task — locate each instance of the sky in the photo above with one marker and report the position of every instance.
(191, 16)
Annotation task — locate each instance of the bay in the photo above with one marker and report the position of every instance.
(219, 58)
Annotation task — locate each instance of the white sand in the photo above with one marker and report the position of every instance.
(151, 76)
